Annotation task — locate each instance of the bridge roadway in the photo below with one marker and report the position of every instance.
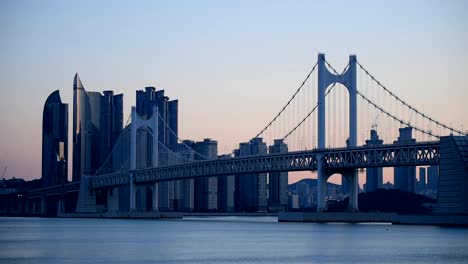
(336, 159)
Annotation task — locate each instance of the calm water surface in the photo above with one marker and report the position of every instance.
(224, 240)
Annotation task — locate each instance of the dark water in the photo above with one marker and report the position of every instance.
(224, 240)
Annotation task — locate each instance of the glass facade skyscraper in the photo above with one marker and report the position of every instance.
(54, 141)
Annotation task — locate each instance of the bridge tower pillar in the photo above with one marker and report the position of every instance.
(348, 79)
(152, 125)
(321, 184)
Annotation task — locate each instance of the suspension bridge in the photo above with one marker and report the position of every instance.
(324, 126)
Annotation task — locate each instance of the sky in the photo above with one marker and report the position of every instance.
(232, 65)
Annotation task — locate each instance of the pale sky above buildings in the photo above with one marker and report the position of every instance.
(231, 65)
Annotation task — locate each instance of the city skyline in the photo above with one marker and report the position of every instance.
(198, 88)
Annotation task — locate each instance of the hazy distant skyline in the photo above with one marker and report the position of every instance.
(223, 61)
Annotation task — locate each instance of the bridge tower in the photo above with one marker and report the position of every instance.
(152, 125)
(347, 79)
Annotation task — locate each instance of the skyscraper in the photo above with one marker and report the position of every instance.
(422, 180)
(278, 181)
(97, 123)
(250, 194)
(206, 188)
(226, 191)
(54, 141)
(405, 177)
(374, 176)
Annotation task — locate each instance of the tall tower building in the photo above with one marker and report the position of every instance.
(54, 141)
(374, 176)
(206, 188)
(422, 180)
(167, 135)
(278, 181)
(97, 123)
(405, 177)
(226, 191)
(250, 193)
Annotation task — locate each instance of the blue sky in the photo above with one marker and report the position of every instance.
(222, 60)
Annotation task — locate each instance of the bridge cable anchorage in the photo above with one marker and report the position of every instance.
(383, 111)
(313, 109)
(409, 106)
(126, 128)
(181, 141)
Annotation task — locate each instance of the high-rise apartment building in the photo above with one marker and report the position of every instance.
(405, 177)
(54, 141)
(278, 181)
(421, 188)
(250, 194)
(206, 188)
(226, 184)
(374, 176)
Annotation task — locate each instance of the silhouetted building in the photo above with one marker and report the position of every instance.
(374, 176)
(97, 123)
(405, 177)
(250, 193)
(206, 188)
(278, 181)
(146, 101)
(226, 184)
(422, 181)
(432, 180)
(54, 141)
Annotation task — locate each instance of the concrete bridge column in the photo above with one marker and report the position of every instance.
(321, 185)
(353, 191)
(60, 206)
(33, 206)
(132, 194)
(113, 199)
(155, 198)
(43, 205)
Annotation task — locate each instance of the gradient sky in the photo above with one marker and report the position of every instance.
(231, 65)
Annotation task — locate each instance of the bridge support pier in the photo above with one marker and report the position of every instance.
(132, 194)
(321, 184)
(43, 206)
(352, 178)
(155, 197)
(60, 206)
(113, 199)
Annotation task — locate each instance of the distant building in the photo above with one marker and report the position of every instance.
(374, 176)
(432, 180)
(278, 181)
(226, 184)
(250, 193)
(54, 141)
(97, 123)
(421, 188)
(206, 188)
(405, 177)
(293, 201)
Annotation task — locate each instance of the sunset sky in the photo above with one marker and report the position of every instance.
(231, 65)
